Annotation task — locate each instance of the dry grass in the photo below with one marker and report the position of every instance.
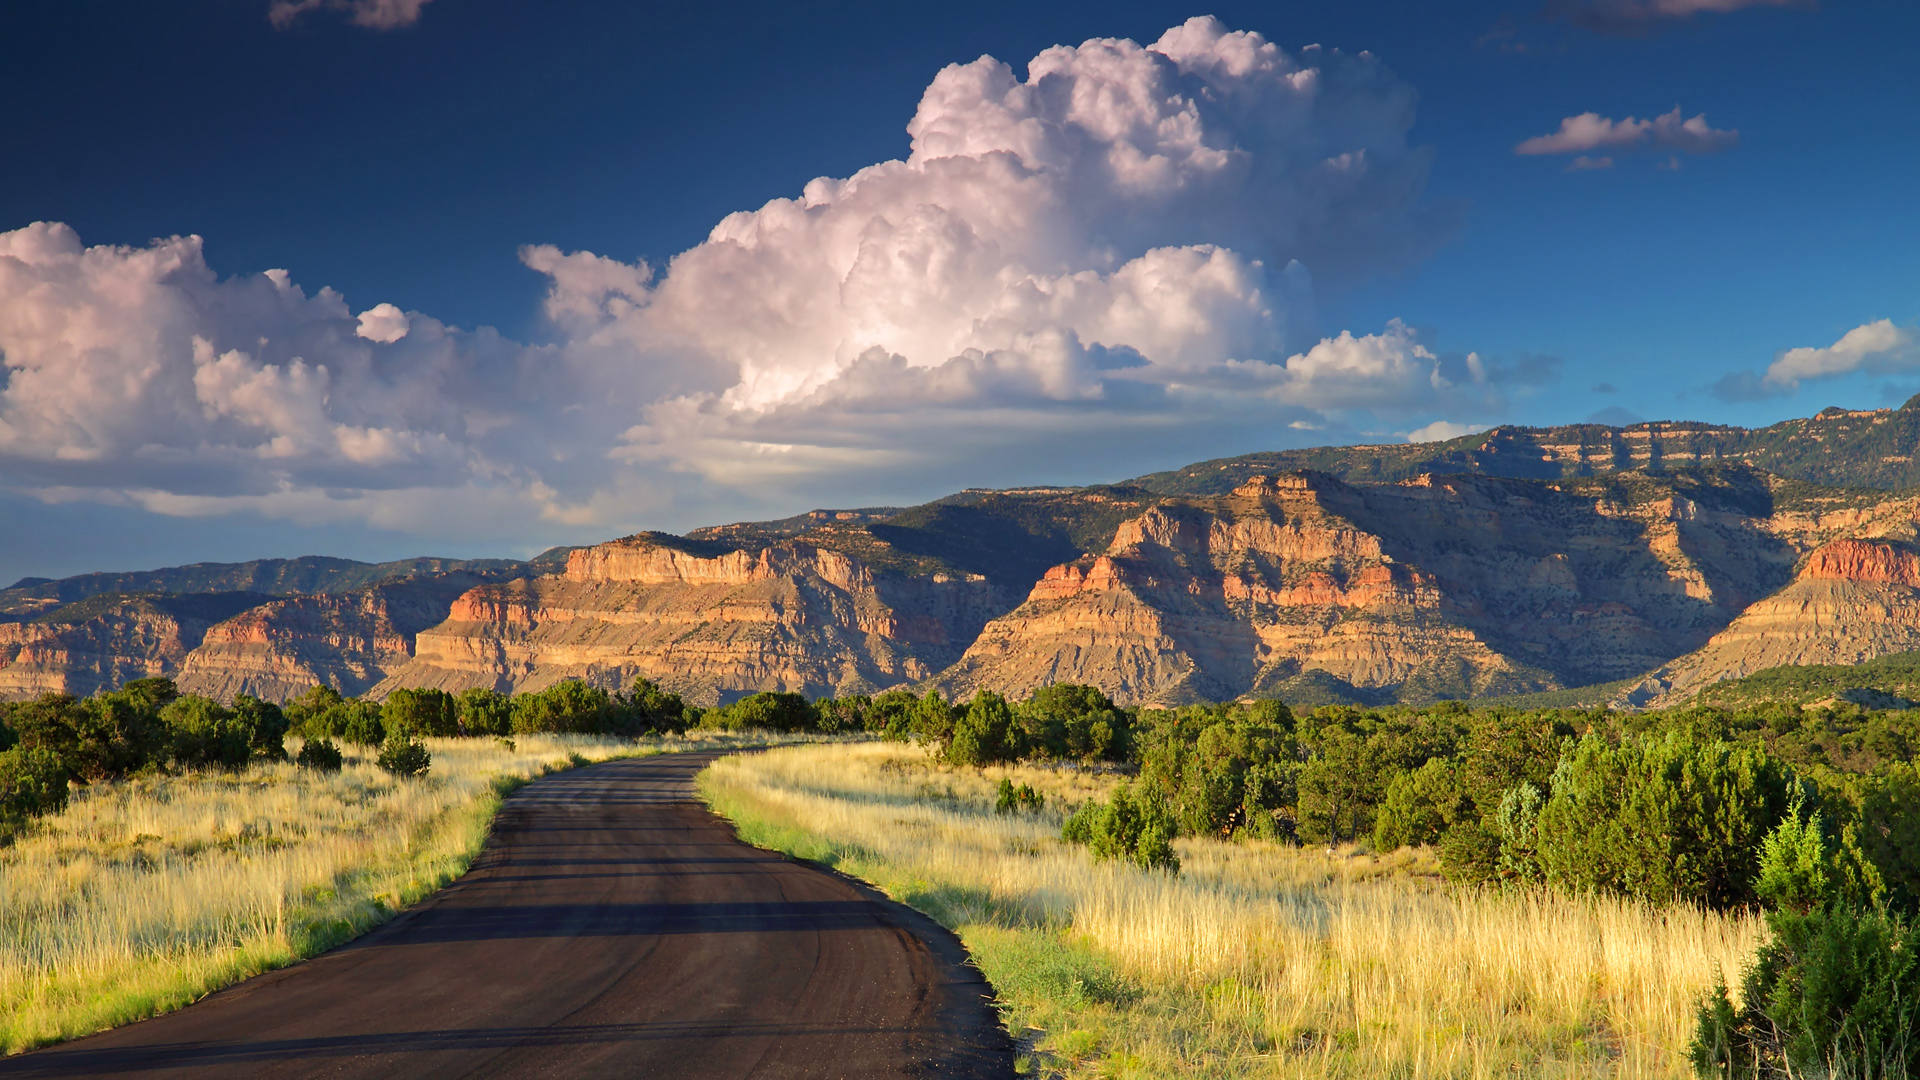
(1258, 960)
(146, 894)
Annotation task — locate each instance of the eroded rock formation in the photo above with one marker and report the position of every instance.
(788, 616)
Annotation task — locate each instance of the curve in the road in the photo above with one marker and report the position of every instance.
(612, 927)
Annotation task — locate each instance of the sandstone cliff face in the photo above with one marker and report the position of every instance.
(785, 617)
(349, 641)
(1853, 600)
(103, 644)
(1464, 584)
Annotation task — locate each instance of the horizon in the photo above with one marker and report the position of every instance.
(484, 281)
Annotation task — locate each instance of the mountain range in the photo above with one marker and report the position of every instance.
(1654, 561)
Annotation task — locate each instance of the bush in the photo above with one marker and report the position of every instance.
(767, 711)
(1220, 775)
(320, 755)
(1889, 832)
(421, 712)
(1835, 993)
(985, 733)
(1129, 828)
(1421, 805)
(33, 781)
(1662, 818)
(570, 706)
(1011, 799)
(485, 711)
(204, 733)
(651, 710)
(304, 711)
(1068, 722)
(403, 757)
(265, 726)
(358, 722)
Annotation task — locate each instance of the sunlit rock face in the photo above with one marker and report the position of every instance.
(784, 617)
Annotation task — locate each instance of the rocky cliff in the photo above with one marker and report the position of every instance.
(1516, 560)
(787, 616)
(1853, 600)
(349, 641)
(1438, 586)
(108, 640)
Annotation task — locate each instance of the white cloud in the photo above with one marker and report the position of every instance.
(1442, 430)
(1085, 269)
(372, 14)
(1877, 348)
(1642, 16)
(1591, 131)
(383, 323)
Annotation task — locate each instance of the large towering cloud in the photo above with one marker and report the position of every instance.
(1128, 240)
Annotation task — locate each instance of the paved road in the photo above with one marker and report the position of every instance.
(613, 927)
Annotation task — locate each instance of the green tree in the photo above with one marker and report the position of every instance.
(1130, 828)
(1421, 805)
(404, 757)
(33, 781)
(309, 707)
(986, 733)
(1662, 818)
(485, 711)
(356, 721)
(569, 706)
(766, 711)
(653, 710)
(265, 725)
(1070, 722)
(206, 733)
(421, 712)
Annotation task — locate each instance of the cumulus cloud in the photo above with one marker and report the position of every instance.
(1634, 17)
(1591, 131)
(1110, 258)
(1877, 348)
(372, 14)
(1442, 430)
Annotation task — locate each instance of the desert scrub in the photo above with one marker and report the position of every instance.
(1257, 959)
(145, 894)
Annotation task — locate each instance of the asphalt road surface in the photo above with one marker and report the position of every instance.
(613, 927)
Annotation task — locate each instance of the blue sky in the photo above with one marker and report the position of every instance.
(157, 410)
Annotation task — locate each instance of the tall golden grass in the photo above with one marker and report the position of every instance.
(145, 894)
(1258, 959)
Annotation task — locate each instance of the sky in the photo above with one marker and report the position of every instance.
(382, 278)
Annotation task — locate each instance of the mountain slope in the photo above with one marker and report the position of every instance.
(1838, 447)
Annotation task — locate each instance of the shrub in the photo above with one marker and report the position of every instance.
(421, 712)
(1835, 993)
(767, 711)
(1518, 824)
(1803, 867)
(485, 711)
(265, 726)
(1889, 832)
(653, 710)
(1129, 828)
(985, 733)
(403, 757)
(1421, 805)
(570, 706)
(1070, 722)
(33, 781)
(206, 733)
(1223, 775)
(1662, 818)
(358, 722)
(320, 755)
(1011, 799)
(303, 711)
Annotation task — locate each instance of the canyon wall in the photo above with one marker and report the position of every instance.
(785, 617)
